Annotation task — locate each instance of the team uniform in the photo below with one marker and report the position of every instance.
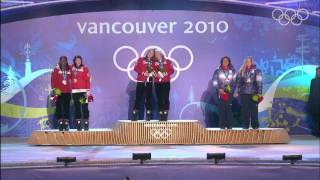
(144, 86)
(249, 83)
(222, 78)
(164, 70)
(80, 84)
(61, 79)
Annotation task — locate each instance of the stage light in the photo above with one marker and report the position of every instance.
(216, 156)
(292, 158)
(66, 160)
(141, 156)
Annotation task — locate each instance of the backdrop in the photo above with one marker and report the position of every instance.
(287, 52)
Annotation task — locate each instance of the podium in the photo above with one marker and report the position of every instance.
(189, 132)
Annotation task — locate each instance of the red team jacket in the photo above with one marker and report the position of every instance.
(80, 79)
(58, 81)
(141, 67)
(168, 69)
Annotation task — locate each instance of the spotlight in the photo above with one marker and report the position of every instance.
(141, 156)
(66, 160)
(292, 158)
(216, 156)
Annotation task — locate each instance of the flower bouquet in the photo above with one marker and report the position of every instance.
(56, 92)
(257, 98)
(161, 72)
(86, 99)
(224, 96)
(150, 72)
(227, 89)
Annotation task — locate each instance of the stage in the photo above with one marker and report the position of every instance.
(18, 157)
(178, 147)
(16, 152)
(184, 132)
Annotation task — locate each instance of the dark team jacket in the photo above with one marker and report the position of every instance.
(249, 82)
(223, 77)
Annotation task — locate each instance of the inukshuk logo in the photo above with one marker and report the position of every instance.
(130, 65)
(287, 16)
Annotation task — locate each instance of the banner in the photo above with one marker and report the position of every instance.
(287, 53)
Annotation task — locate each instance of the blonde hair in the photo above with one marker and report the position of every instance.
(243, 66)
(158, 50)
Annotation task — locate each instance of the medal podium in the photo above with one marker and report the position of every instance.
(189, 132)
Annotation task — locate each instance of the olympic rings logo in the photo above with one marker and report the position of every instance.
(160, 133)
(130, 65)
(295, 17)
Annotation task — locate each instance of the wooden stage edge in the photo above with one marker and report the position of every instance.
(186, 132)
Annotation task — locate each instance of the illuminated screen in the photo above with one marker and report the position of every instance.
(109, 42)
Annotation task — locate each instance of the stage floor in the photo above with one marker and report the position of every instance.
(16, 152)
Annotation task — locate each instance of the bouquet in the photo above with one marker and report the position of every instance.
(257, 98)
(227, 89)
(161, 72)
(224, 96)
(55, 94)
(86, 99)
(150, 72)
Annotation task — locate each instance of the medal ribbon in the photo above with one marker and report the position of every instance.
(226, 74)
(75, 71)
(64, 75)
(161, 65)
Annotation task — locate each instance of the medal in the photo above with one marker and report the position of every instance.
(248, 77)
(161, 71)
(64, 76)
(75, 71)
(226, 75)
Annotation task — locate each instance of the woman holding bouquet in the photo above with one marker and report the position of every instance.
(144, 84)
(224, 79)
(60, 83)
(164, 70)
(80, 83)
(249, 86)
